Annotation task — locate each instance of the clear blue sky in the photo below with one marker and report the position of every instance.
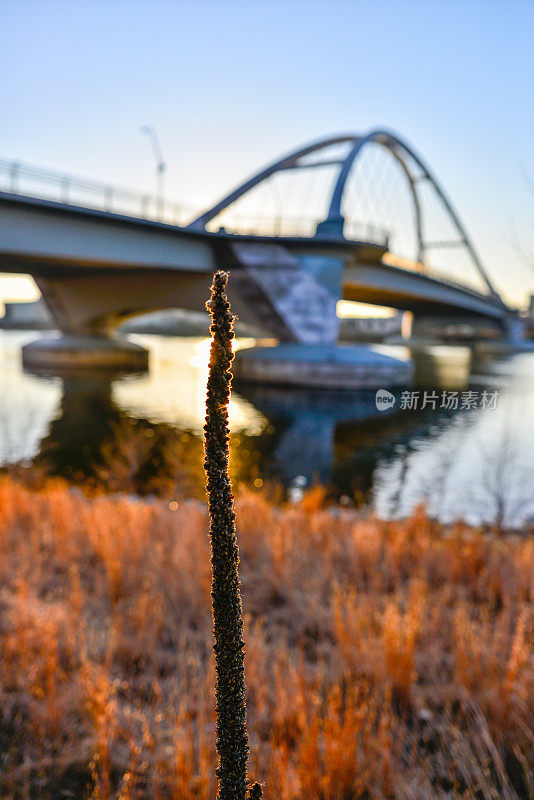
(229, 86)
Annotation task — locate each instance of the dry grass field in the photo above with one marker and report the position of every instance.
(384, 660)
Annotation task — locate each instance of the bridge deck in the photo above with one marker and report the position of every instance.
(79, 247)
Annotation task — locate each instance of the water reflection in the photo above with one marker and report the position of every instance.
(306, 422)
(27, 403)
(143, 434)
(93, 441)
(478, 467)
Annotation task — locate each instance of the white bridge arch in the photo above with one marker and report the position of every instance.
(413, 167)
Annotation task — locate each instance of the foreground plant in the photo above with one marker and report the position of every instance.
(232, 737)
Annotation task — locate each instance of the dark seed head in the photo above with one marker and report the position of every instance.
(232, 738)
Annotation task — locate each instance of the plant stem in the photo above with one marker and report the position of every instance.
(232, 737)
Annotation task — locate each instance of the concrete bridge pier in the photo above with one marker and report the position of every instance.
(80, 344)
(69, 352)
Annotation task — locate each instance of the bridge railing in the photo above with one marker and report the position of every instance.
(19, 178)
(283, 226)
(443, 275)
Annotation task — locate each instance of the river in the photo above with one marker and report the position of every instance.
(468, 455)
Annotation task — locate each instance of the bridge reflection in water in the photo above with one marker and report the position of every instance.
(143, 434)
(307, 438)
(95, 442)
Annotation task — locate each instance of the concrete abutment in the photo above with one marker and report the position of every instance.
(83, 352)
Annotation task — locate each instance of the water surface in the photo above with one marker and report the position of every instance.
(144, 433)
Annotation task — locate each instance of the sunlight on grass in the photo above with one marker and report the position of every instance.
(374, 650)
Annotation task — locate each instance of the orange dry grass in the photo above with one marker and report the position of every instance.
(384, 660)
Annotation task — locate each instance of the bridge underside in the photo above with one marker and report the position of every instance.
(383, 285)
(97, 299)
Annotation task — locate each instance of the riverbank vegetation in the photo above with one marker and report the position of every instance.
(383, 660)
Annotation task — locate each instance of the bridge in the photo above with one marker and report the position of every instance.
(100, 254)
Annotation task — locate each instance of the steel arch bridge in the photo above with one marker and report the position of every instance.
(100, 261)
(334, 225)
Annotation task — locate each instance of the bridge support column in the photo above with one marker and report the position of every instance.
(84, 352)
(323, 366)
(515, 329)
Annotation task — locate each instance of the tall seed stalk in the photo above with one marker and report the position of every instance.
(232, 737)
